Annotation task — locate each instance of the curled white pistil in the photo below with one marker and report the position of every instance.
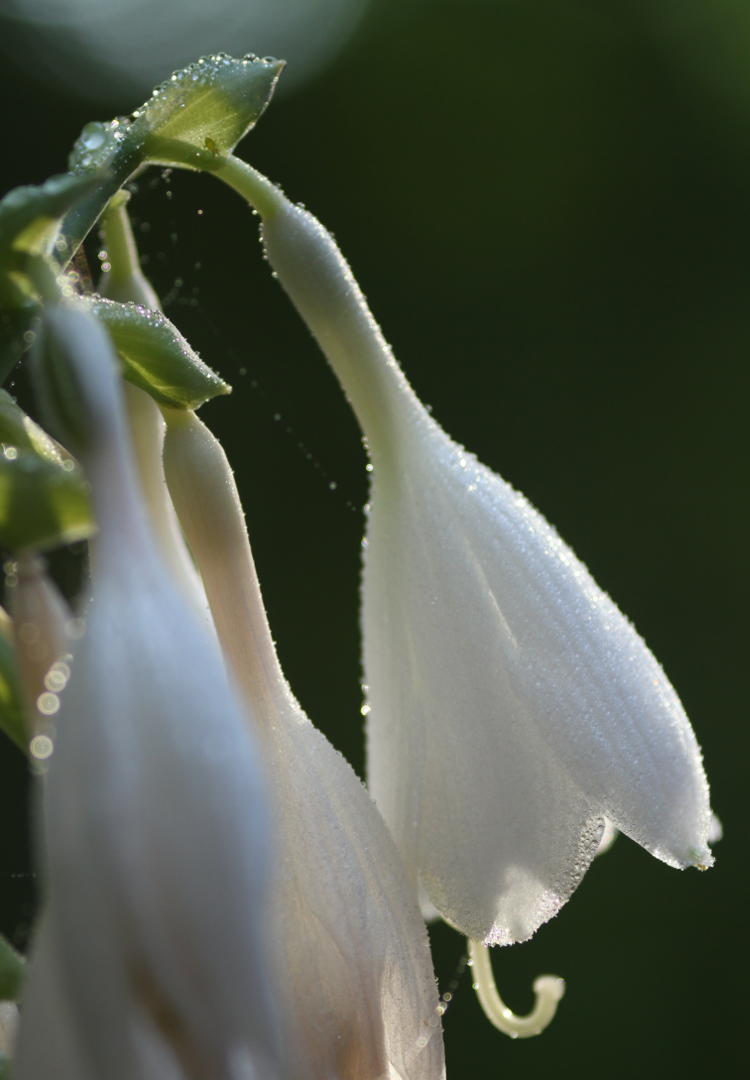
(547, 988)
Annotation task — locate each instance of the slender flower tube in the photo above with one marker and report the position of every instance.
(147, 432)
(512, 707)
(123, 280)
(360, 992)
(156, 833)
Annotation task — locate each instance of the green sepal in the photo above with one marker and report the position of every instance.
(19, 430)
(30, 219)
(12, 970)
(4, 1067)
(12, 719)
(155, 355)
(202, 111)
(113, 151)
(44, 498)
(29, 216)
(199, 114)
(42, 504)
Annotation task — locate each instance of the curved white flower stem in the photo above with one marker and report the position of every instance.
(547, 988)
(125, 282)
(147, 431)
(322, 287)
(202, 487)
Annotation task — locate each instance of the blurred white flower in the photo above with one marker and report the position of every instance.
(8, 1024)
(156, 834)
(122, 48)
(511, 707)
(48, 1042)
(358, 982)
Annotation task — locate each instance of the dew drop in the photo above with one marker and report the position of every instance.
(92, 138)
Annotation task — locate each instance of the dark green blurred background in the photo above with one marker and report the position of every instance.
(546, 202)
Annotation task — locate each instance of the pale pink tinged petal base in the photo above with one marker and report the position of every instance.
(358, 972)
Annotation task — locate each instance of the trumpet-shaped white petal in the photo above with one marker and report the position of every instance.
(361, 996)
(512, 707)
(155, 824)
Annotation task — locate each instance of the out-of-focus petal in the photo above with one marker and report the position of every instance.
(46, 1044)
(155, 822)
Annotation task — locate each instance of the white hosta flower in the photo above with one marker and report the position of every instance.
(507, 690)
(512, 707)
(360, 992)
(155, 825)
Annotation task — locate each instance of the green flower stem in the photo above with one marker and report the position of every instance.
(255, 188)
(40, 271)
(322, 287)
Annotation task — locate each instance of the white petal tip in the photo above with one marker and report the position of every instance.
(701, 859)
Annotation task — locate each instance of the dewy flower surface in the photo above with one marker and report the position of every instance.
(512, 706)
(156, 832)
(358, 982)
